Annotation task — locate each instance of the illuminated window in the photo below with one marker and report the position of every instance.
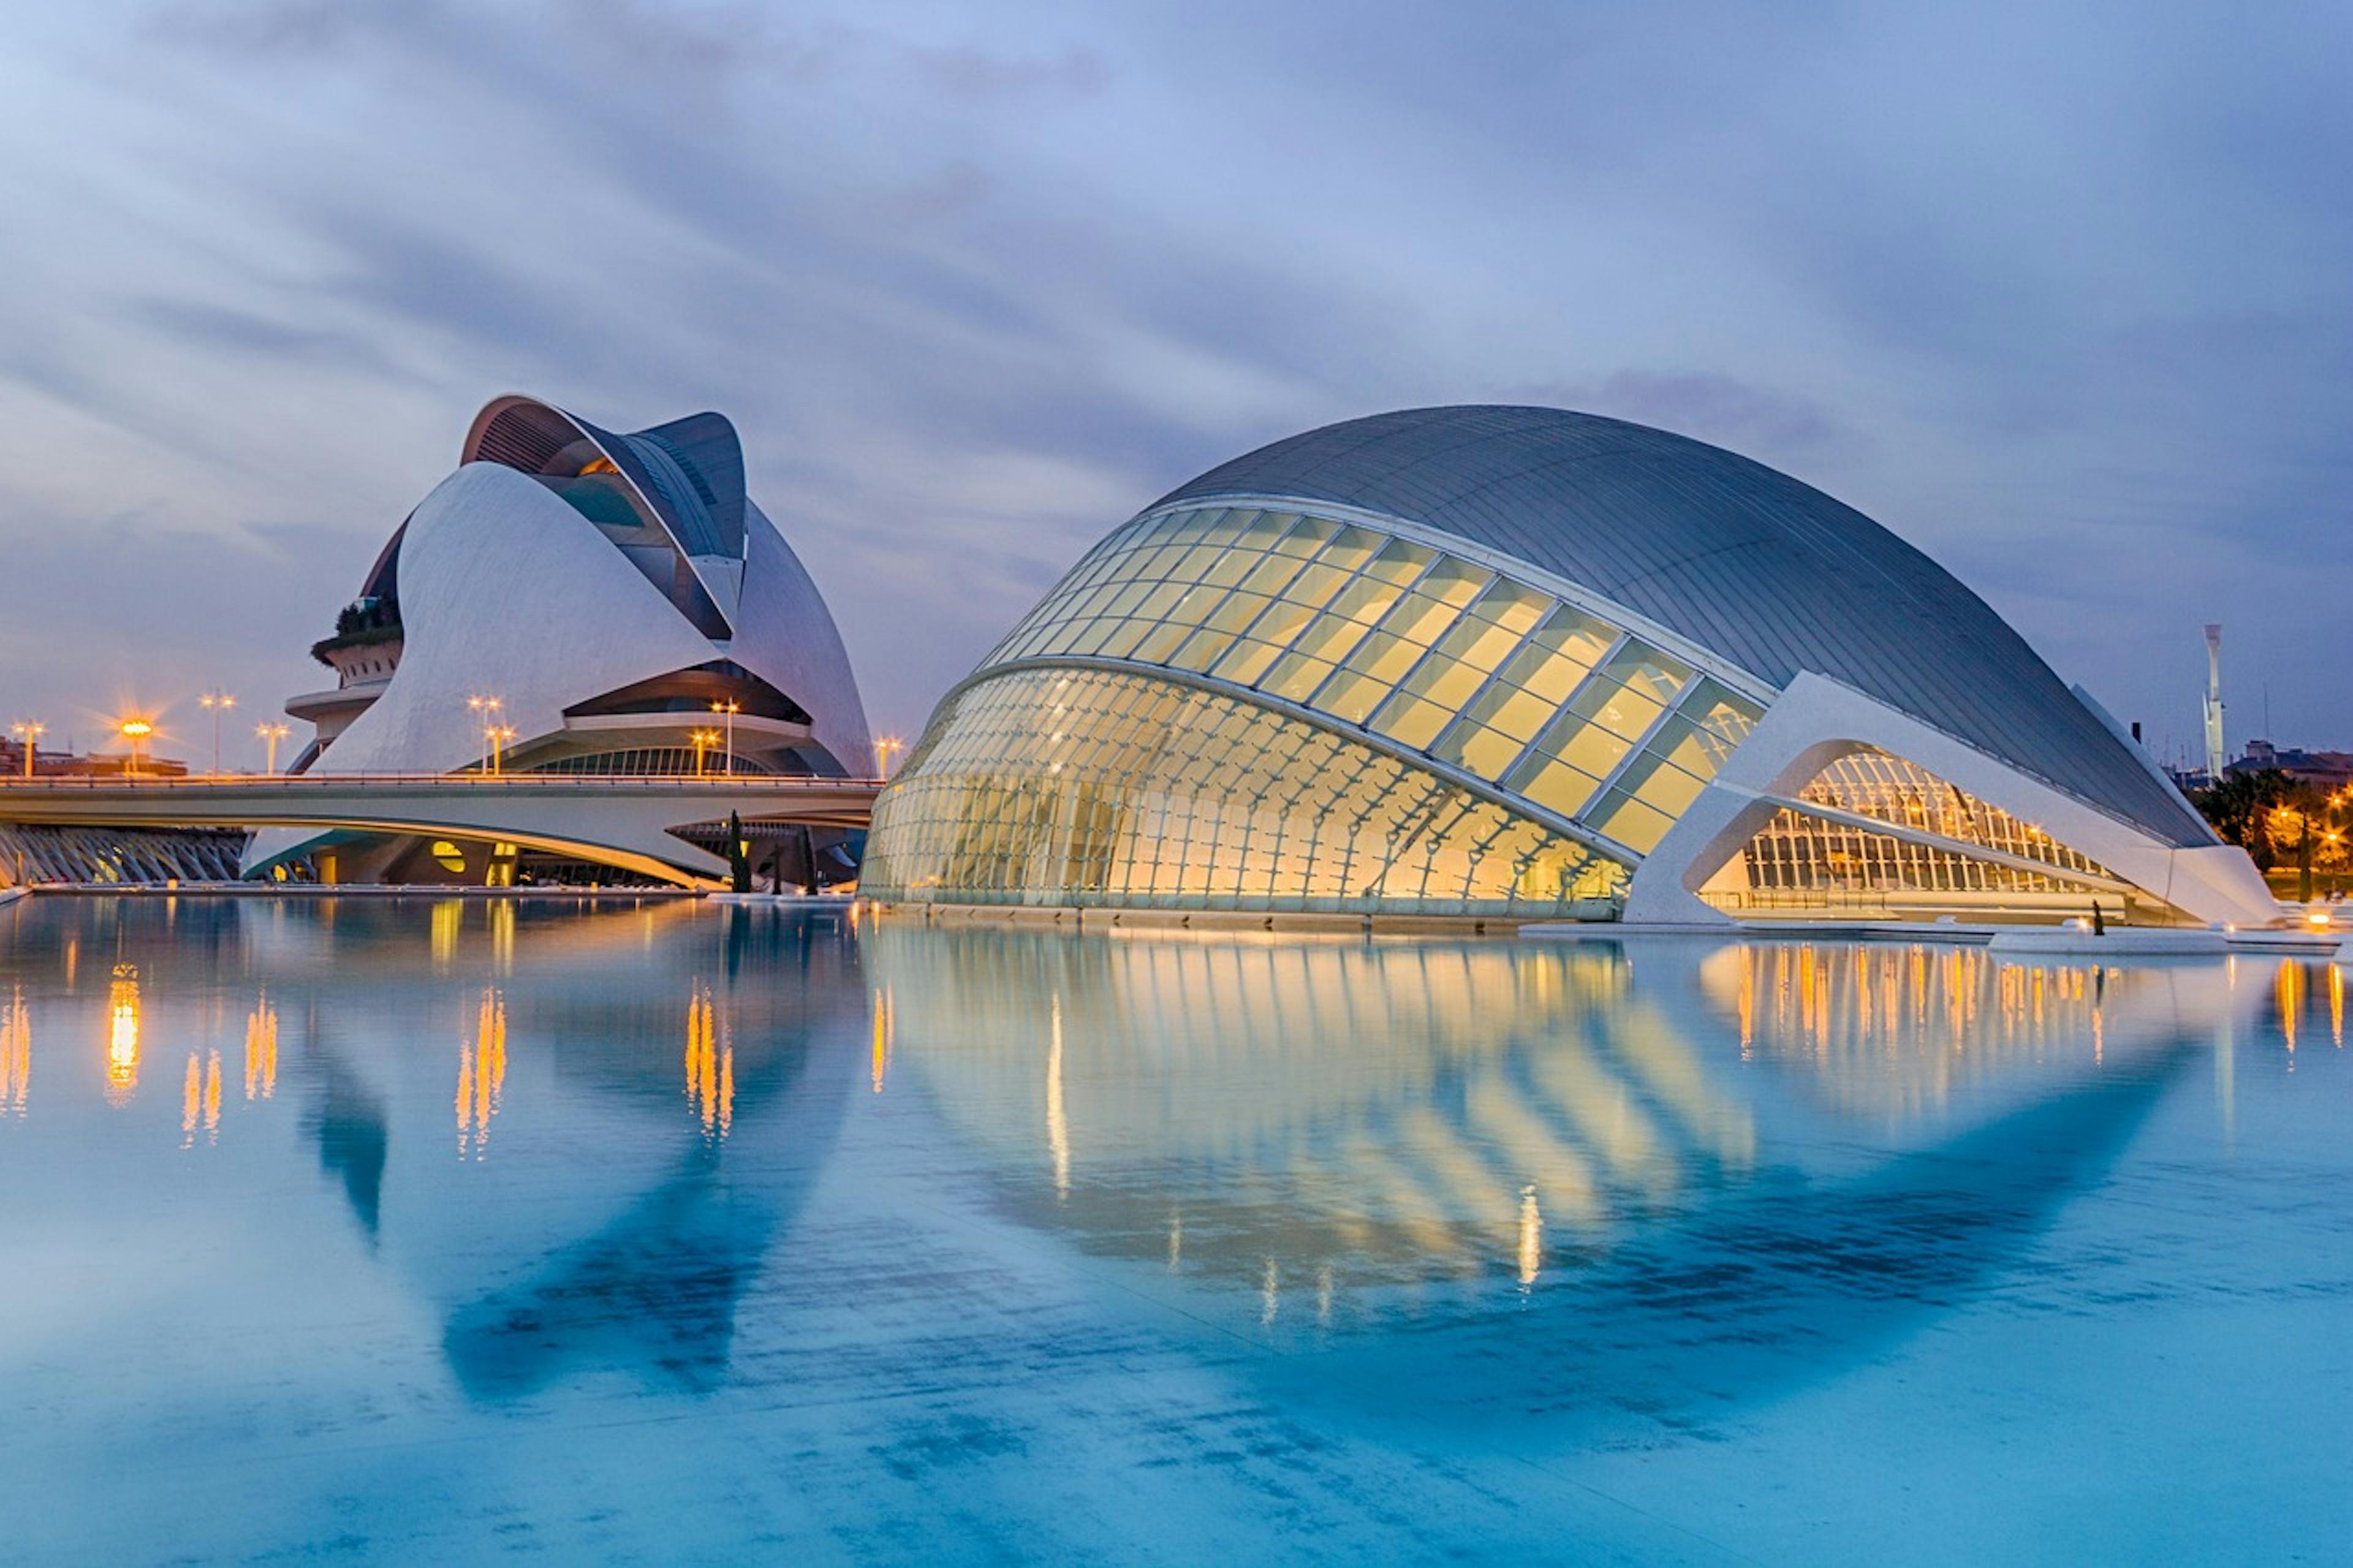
(1213, 802)
(1434, 653)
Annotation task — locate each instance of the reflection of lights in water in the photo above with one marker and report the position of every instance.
(201, 1094)
(448, 916)
(1270, 1299)
(481, 1075)
(1324, 1297)
(1531, 1237)
(710, 1065)
(123, 1035)
(2287, 990)
(1902, 1026)
(2337, 1005)
(1378, 1110)
(16, 1054)
(261, 1049)
(502, 934)
(882, 1032)
(1747, 1003)
(1058, 1132)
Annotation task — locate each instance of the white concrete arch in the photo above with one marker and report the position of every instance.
(1816, 721)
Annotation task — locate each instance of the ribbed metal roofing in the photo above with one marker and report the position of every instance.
(1767, 571)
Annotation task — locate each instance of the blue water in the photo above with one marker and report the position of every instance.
(415, 1230)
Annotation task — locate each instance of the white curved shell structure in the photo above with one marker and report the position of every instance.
(575, 601)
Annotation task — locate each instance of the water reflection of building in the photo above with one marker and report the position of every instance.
(1898, 1028)
(1280, 1112)
(1314, 1105)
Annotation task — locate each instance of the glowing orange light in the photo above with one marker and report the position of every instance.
(710, 1065)
(123, 1035)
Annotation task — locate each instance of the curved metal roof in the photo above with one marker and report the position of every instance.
(1767, 571)
(690, 471)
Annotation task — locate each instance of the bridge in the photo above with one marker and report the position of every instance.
(626, 822)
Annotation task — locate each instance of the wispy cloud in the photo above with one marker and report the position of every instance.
(2056, 293)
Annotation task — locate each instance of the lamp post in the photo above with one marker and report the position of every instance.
(136, 732)
(731, 707)
(216, 703)
(271, 735)
(486, 709)
(26, 731)
(703, 740)
(884, 746)
(494, 740)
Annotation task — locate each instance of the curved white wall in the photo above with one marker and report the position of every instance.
(785, 636)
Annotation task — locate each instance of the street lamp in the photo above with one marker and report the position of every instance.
(216, 703)
(494, 740)
(703, 740)
(26, 731)
(271, 735)
(884, 746)
(136, 732)
(486, 709)
(2306, 828)
(731, 707)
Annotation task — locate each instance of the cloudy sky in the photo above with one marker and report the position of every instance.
(2062, 294)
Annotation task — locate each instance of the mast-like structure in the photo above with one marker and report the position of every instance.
(2214, 703)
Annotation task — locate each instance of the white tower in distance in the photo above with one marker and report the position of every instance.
(2213, 704)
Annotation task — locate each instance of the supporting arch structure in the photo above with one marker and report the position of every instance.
(1694, 876)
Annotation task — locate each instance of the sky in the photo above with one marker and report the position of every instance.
(2061, 293)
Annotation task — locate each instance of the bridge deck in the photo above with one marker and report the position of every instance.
(626, 820)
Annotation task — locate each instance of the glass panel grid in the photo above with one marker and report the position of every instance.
(1431, 651)
(1038, 787)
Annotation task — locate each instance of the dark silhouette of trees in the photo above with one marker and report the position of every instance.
(2278, 819)
(2240, 807)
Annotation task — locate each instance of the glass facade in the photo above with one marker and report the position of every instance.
(648, 760)
(1082, 787)
(1799, 856)
(1059, 781)
(1432, 652)
(1874, 784)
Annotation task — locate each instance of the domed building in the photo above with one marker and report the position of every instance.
(1522, 664)
(571, 600)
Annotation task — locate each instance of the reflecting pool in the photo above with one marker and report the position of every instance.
(446, 1230)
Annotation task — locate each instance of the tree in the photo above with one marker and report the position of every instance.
(739, 862)
(2242, 808)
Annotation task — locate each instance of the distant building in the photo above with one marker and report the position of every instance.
(2330, 771)
(48, 764)
(1519, 664)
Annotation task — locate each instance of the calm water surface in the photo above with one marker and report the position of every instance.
(444, 1231)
